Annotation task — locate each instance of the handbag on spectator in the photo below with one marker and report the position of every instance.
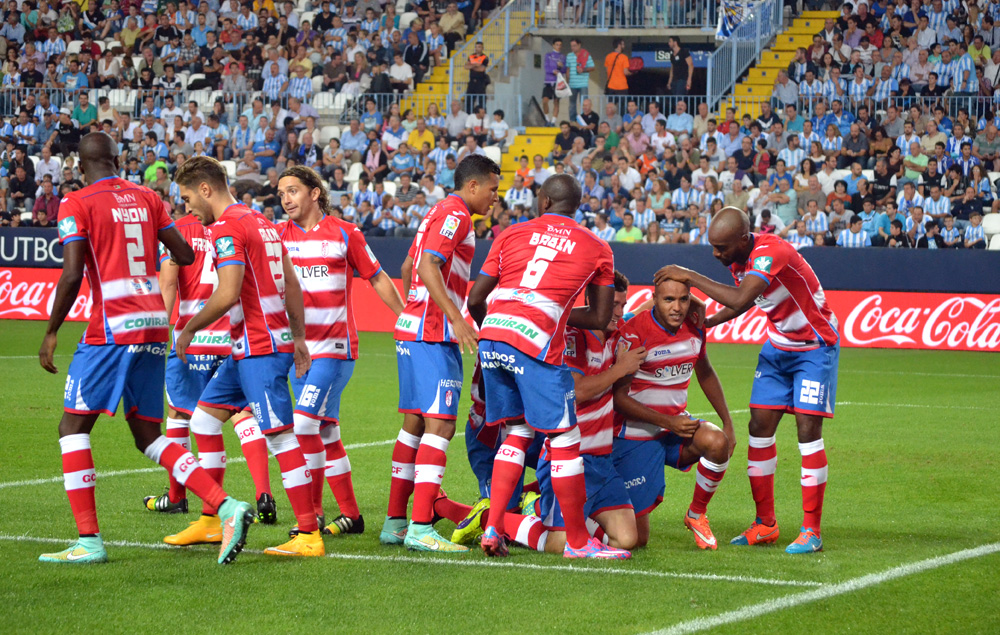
(562, 87)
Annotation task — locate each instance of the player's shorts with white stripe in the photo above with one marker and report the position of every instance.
(518, 385)
(186, 382)
(101, 377)
(605, 489)
(482, 444)
(430, 378)
(260, 381)
(796, 381)
(317, 393)
(640, 464)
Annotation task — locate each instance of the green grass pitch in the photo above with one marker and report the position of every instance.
(914, 476)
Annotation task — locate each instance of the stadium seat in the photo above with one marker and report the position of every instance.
(34, 159)
(869, 175)
(307, 16)
(215, 96)
(390, 187)
(326, 133)
(991, 224)
(994, 243)
(406, 19)
(121, 98)
(195, 76)
(354, 173)
(317, 83)
(324, 103)
(202, 98)
(230, 168)
(73, 48)
(493, 153)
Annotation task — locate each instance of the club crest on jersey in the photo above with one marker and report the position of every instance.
(224, 247)
(449, 227)
(141, 286)
(324, 249)
(571, 347)
(67, 226)
(763, 263)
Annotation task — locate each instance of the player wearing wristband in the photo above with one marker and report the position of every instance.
(110, 230)
(654, 428)
(797, 368)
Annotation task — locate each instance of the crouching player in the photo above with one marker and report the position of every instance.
(655, 427)
(325, 252)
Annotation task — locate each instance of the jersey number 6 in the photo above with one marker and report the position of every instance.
(537, 267)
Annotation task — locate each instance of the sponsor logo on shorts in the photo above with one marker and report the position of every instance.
(309, 397)
(493, 360)
(68, 388)
(513, 324)
(635, 482)
(154, 349)
(401, 350)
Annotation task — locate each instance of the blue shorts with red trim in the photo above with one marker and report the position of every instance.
(260, 382)
(796, 381)
(518, 385)
(605, 489)
(482, 444)
(430, 378)
(640, 464)
(101, 377)
(186, 382)
(318, 391)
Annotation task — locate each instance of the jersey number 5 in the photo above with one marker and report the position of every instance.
(540, 262)
(135, 250)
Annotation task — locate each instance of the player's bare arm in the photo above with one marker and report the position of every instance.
(387, 291)
(180, 251)
(596, 315)
(480, 291)
(429, 270)
(712, 387)
(738, 299)
(225, 296)
(406, 273)
(66, 291)
(295, 308)
(168, 284)
(587, 387)
(629, 407)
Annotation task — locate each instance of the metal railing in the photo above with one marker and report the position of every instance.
(728, 62)
(976, 106)
(499, 36)
(631, 14)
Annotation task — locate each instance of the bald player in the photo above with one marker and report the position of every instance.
(797, 368)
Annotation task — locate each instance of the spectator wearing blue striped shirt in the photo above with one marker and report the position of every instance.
(699, 235)
(861, 88)
(965, 159)
(300, 86)
(274, 86)
(810, 90)
(945, 69)
(964, 81)
(247, 20)
(885, 88)
(854, 236)
(817, 222)
(801, 236)
(950, 235)
(835, 86)
(602, 229)
(414, 215)
(793, 155)
(832, 143)
(915, 224)
(958, 137)
(54, 45)
(937, 206)
(388, 217)
(642, 215)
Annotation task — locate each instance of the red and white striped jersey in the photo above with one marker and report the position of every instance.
(120, 222)
(798, 316)
(661, 383)
(446, 232)
(542, 266)
(195, 285)
(325, 258)
(258, 322)
(587, 354)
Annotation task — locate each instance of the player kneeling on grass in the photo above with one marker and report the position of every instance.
(590, 357)
(656, 429)
(110, 229)
(325, 252)
(259, 289)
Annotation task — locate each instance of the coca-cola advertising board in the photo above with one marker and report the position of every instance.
(940, 321)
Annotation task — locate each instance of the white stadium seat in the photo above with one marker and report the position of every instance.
(353, 174)
(390, 187)
(994, 243)
(406, 19)
(326, 133)
(317, 83)
(324, 103)
(73, 48)
(493, 152)
(991, 224)
(230, 168)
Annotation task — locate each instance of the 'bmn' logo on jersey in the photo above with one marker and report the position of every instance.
(224, 247)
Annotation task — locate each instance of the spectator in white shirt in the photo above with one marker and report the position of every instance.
(498, 130)
(47, 165)
(628, 176)
(699, 176)
(539, 173)
(519, 195)
(400, 74)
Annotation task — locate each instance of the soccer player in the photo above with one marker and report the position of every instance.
(430, 335)
(538, 269)
(797, 368)
(110, 230)
(259, 289)
(190, 287)
(655, 429)
(325, 251)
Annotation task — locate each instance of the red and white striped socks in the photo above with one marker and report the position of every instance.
(184, 468)
(338, 472)
(177, 432)
(295, 477)
(814, 472)
(508, 465)
(707, 479)
(307, 433)
(430, 462)
(569, 486)
(404, 454)
(254, 449)
(762, 455)
(207, 432)
(80, 478)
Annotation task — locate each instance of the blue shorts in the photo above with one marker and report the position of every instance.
(518, 385)
(605, 489)
(796, 381)
(318, 391)
(640, 464)
(430, 378)
(260, 382)
(482, 448)
(186, 382)
(100, 377)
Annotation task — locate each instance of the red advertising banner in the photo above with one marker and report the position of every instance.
(941, 321)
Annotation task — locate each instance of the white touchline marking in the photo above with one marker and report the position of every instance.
(827, 591)
(855, 371)
(460, 562)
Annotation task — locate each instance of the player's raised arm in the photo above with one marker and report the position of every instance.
(429, 269)
(712, 387)
(627, 364)
(66, 291)
(225, 296)
(295, 308)
(597, 313)
(480, 291)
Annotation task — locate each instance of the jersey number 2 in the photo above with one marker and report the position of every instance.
(136, 250)
(540, 262)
